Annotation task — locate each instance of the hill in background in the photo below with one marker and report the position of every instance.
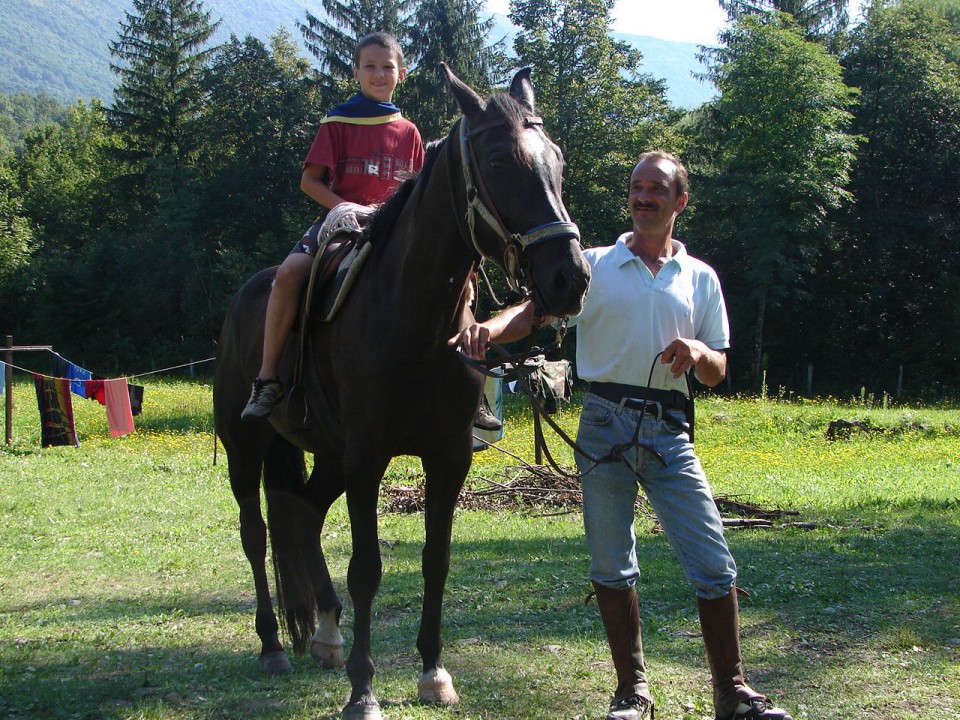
(62, 49)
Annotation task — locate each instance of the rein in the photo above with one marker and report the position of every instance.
(517, 360)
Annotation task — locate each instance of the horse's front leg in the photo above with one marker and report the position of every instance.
(363, 580)
(445, 475)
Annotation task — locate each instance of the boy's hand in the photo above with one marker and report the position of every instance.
(472, 341)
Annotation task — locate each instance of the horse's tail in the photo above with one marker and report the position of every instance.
(293, 528)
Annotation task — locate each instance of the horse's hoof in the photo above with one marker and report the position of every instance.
(436, 688)
(275, 663)
(327, 655)
(326, 646)
(363, 709)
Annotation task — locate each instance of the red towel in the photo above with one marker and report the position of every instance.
(119, 415)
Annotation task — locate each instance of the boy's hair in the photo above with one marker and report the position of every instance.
(384, 40)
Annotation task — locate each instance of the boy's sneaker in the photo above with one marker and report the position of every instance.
(485, 419)
(758, 708)
(265, 394)
(635, 707)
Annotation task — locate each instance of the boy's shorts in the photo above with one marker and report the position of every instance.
(308, 244)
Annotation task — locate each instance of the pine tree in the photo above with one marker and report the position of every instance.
(332, 40)
(158, 102)
(449, 31)
(820, 19)
(596, 104)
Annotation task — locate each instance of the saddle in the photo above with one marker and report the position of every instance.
(343, 248)
(342, 252)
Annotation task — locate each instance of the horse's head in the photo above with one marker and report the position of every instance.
(512, 174)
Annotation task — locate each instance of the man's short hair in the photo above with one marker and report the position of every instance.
(679, 175)
(384, 40)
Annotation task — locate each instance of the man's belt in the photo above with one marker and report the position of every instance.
(616, 392)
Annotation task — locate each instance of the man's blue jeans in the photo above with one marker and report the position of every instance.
(679, 494)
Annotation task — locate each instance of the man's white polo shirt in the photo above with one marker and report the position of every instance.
(630, 316)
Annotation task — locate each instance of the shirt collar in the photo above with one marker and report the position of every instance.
(624, 255)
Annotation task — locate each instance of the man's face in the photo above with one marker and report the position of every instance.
(378, 73)
(654, 199)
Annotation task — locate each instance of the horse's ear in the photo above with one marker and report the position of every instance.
(470, 103)
(521, 88)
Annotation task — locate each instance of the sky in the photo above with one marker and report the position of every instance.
(694, 21)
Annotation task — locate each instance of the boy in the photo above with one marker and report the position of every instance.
(363, 150)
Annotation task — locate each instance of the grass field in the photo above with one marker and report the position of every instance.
(124, 593)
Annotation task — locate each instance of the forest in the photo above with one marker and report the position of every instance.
(825, 182)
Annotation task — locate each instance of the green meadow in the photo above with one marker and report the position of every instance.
(124, 593)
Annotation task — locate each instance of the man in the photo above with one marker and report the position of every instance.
(647, 299)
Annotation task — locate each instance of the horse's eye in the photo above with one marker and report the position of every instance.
(497, 161)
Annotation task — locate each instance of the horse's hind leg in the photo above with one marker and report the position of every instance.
(444, 479)
(326, 646)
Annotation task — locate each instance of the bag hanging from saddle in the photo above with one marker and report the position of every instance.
(549, 380)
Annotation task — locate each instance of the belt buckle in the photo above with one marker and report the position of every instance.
(657, 408)
(647, 407)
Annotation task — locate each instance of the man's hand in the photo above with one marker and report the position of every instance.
(709, 365)
(682, 355)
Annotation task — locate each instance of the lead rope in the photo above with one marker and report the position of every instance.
(617, 452)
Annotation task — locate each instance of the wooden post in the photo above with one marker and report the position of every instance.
(8, 387)
(810, 379)
(900, 381)
(9, 349)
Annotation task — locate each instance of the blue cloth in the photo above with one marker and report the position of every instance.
(360, 106)
(78, 379)
(679, 494)
(3, 378)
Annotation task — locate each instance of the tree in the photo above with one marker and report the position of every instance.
(263, 109)
(774, 158)
(157, 104)
(447, 31)
(16, 236)
(595, 102)
(901, 266)
(332, 40)
(819, 18)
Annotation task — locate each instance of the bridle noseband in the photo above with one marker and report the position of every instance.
(480, 203)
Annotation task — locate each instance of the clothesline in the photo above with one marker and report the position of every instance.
(127, 377)
(122, 399)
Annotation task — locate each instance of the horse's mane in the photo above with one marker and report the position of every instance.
(381, 225)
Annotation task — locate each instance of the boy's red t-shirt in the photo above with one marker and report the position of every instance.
(366, 162)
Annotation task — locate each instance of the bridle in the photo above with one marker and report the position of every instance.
(480, 203)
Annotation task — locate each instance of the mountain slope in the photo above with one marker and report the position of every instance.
(62, 49)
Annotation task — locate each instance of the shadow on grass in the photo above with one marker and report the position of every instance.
(821, 602)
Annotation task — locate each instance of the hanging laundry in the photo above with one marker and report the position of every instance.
(119, 414)
(136, 398)
(94, 391)
(58, 365)
(56, 411)
(78, 377)
(3, 378)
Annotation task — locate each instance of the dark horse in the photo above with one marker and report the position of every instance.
(378, 380)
